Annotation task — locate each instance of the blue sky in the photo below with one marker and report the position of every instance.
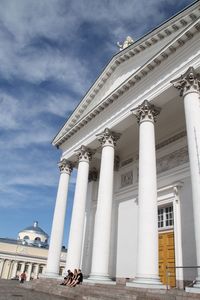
(51, 51)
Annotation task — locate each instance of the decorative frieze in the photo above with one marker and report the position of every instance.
(126, 162)
(172, 160)
(146, 112)
(126, 179)
(65, 166)
(188, 82)
(171, 139)
(108, 137)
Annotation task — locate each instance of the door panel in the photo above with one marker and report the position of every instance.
(167, 258)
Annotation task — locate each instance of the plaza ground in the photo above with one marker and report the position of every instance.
(11, 290)
(50, 289)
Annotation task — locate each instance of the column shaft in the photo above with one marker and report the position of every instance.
(14, 269)
(147, 214)
(29, 272)
(78, 213)
(36, 273)
(1, 266)
(192, 115)
(189, 85)
(102, 228)
(147, 254)
(22, 267)
(53, 261)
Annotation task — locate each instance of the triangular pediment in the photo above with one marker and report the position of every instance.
(132, 62)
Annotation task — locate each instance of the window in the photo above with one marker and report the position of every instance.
(26, 237)
(165, 217)
(40, 269)
(37, 239)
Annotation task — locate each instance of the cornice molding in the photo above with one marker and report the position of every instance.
(184, 36)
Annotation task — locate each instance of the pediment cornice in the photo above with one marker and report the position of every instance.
(74, 123)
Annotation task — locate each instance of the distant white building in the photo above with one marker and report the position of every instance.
(135, 141)
(27, 253)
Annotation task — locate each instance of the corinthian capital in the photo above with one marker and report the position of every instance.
(65, 166)
(188, 82)
(146, 112)
(84, 153)
(108, 138)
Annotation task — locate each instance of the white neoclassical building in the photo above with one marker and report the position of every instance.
(135, 141)
(26, 253)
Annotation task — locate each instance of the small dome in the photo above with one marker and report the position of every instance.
(33, 235)
(35, 229)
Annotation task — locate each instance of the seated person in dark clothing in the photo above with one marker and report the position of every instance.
(74, 277)
(67, 278)
(78, 280)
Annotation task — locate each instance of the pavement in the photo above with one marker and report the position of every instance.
(13, 290)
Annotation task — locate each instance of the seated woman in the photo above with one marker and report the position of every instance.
(79, 279)
(74, 277)
(67, 278)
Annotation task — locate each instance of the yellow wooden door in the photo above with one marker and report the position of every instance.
(167, 258)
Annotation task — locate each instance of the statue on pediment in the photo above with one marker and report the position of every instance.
(128, 41)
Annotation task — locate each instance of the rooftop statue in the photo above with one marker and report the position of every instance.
(128, 41)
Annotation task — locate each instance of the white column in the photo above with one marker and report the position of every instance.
(36, 273)
(14, 269)
(22, 267)
(29, 272)
(102, 228)
(178, 236)
(91, 199)
(147, 253)
(189, 84)
(78, 213)
(1, 266)
(53, 261)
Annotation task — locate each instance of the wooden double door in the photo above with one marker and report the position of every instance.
(167, 258)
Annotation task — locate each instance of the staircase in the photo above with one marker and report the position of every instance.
(92, 291)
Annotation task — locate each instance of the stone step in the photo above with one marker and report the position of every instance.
(88, 291)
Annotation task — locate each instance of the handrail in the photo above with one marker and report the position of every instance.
(177, 267)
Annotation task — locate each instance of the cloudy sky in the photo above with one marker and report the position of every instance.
(51, 51)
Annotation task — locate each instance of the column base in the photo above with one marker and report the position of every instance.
(98, 278)
(143, 282)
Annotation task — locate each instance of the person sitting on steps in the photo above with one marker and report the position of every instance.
(78, 280)
(74, 277)
(67, 278)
